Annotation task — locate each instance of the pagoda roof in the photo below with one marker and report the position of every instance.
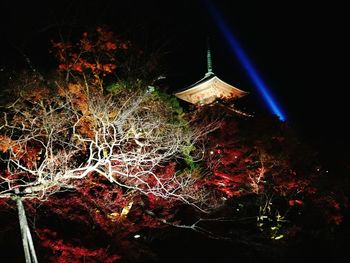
(209, 89)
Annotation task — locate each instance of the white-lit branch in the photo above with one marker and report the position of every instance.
(125, 141)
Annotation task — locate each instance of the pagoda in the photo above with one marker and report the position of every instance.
(209, 89)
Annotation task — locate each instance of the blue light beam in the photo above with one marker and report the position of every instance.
(245, 61)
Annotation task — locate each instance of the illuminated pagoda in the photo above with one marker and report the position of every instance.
(209, 89)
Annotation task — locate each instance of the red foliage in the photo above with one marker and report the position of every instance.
(67, 252)
(257, 163)
(262, 161)
(115, 214)
(295, 202)
(94, 53)
(234, 165)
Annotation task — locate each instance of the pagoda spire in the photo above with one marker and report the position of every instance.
(210, 88)
(209, 63)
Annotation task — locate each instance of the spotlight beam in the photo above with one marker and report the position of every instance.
(244, 60)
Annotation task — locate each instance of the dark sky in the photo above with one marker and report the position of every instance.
(299, 47)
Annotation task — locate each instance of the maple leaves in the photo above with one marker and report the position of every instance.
(98, 210)
(73, 133)
(6, 143)
(259, 165)
(63, 251)
(127, 161)
(93, 55)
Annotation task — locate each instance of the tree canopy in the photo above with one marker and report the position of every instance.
(106, 162)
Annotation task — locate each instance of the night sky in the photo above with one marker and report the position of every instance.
(300, 49)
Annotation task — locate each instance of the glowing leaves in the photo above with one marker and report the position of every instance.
(126, 210)
(229, 184)
(108, 68)
(235, 171)
(294, 202)
(68, 252)
(336, 219)
(27, 154)
(85, 44)
(115, 216)
(110, 46)
(6, 143)
(273, 225)
(85, 126)
(77, 95)
(37, 94)
(277, 237)
(95, 53)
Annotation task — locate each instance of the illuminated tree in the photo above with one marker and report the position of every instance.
(56, 134)
(116, 158)
(268, 175)
(52, 140)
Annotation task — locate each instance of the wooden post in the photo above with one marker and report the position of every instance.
(28, 246)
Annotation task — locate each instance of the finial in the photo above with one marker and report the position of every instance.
(209, 64)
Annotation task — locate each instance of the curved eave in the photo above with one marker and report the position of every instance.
(207, 90)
